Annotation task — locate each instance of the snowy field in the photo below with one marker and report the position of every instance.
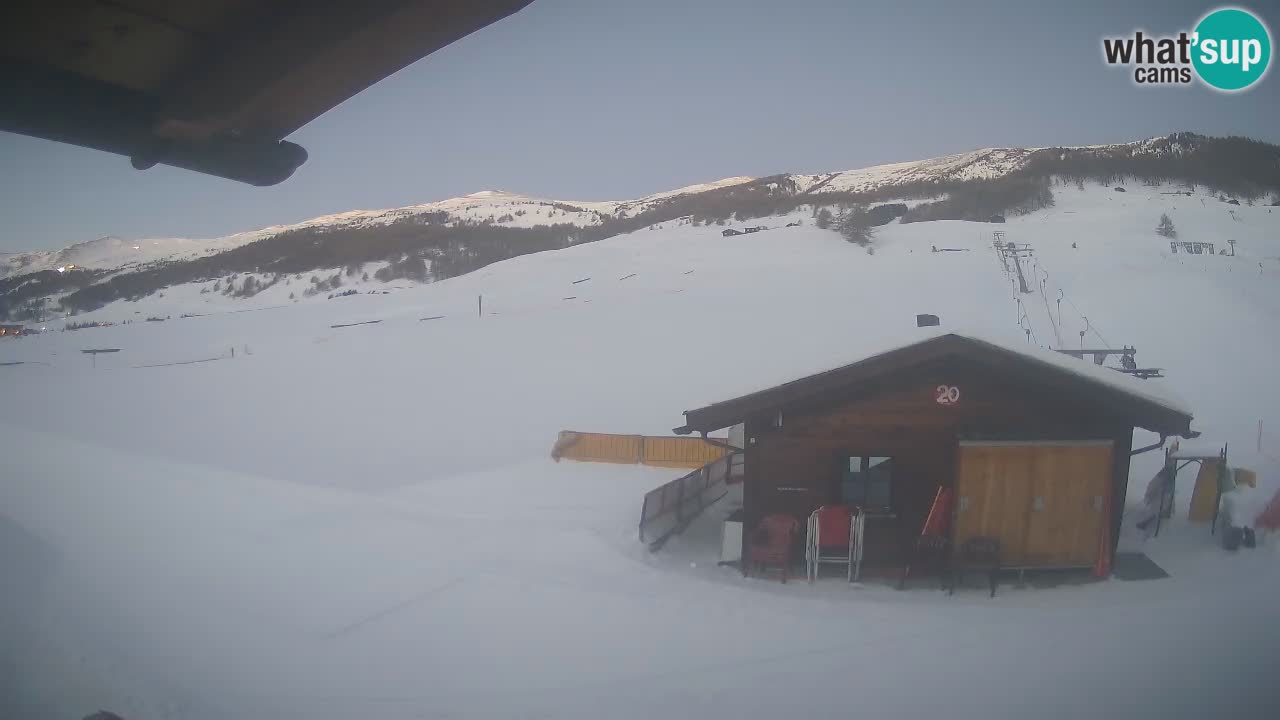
(363, 521)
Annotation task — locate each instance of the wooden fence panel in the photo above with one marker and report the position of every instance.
(600, 447)
(674, 452)
(680, 452)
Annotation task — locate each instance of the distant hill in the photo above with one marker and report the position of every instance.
(445, 239)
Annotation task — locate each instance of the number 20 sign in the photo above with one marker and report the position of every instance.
(947, 395)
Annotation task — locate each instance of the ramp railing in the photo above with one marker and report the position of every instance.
(668, 509)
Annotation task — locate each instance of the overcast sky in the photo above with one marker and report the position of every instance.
(612, 99)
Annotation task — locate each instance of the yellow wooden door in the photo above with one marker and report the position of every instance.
(1046, 503)
(993, 495)
(1069, 489)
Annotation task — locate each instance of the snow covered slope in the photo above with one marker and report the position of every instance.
(502, 208)
(351, 520)
(514, 210)
(113, 253)
(661, 287)
(977, 165)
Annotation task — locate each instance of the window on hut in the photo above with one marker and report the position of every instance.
(868, 482)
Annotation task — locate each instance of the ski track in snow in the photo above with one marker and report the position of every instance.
(363, 522)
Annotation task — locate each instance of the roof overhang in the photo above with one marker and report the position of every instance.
(212, 86)
(1147, 413)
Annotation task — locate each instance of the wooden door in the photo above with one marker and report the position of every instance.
(1045, 502)
(1068, 504)
(993, 497)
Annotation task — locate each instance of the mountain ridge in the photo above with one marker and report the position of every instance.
(450, 237)
(75, 254)
(962, 166)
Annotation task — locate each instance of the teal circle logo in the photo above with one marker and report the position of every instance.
(1232, 49)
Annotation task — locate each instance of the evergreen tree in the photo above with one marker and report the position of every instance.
(855, 225)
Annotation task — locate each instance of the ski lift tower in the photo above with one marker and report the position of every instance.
(998, 243)
(1017, 252)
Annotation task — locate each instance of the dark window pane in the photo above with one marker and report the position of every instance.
(868, 482)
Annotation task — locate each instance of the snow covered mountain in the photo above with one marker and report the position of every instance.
(443, 239)
(513, 210)
(501, 208)
(986, 164)
(521, 211)
(358, 503)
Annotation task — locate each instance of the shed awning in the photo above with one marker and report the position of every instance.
(209, 85)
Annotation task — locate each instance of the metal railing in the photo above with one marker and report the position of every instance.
(668, 509)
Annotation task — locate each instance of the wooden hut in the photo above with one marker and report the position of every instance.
(1035, 446)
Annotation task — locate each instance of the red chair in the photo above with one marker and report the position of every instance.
(771, 543)
(830, 539)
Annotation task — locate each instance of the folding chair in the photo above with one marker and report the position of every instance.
(834, 538)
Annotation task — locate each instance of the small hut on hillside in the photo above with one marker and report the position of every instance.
(1034, 447)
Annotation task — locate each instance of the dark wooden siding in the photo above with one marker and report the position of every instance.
(794, 469)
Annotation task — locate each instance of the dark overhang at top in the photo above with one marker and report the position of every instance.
(1119, 394)
(212, 86)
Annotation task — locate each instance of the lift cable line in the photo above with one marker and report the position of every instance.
(1041, 276)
